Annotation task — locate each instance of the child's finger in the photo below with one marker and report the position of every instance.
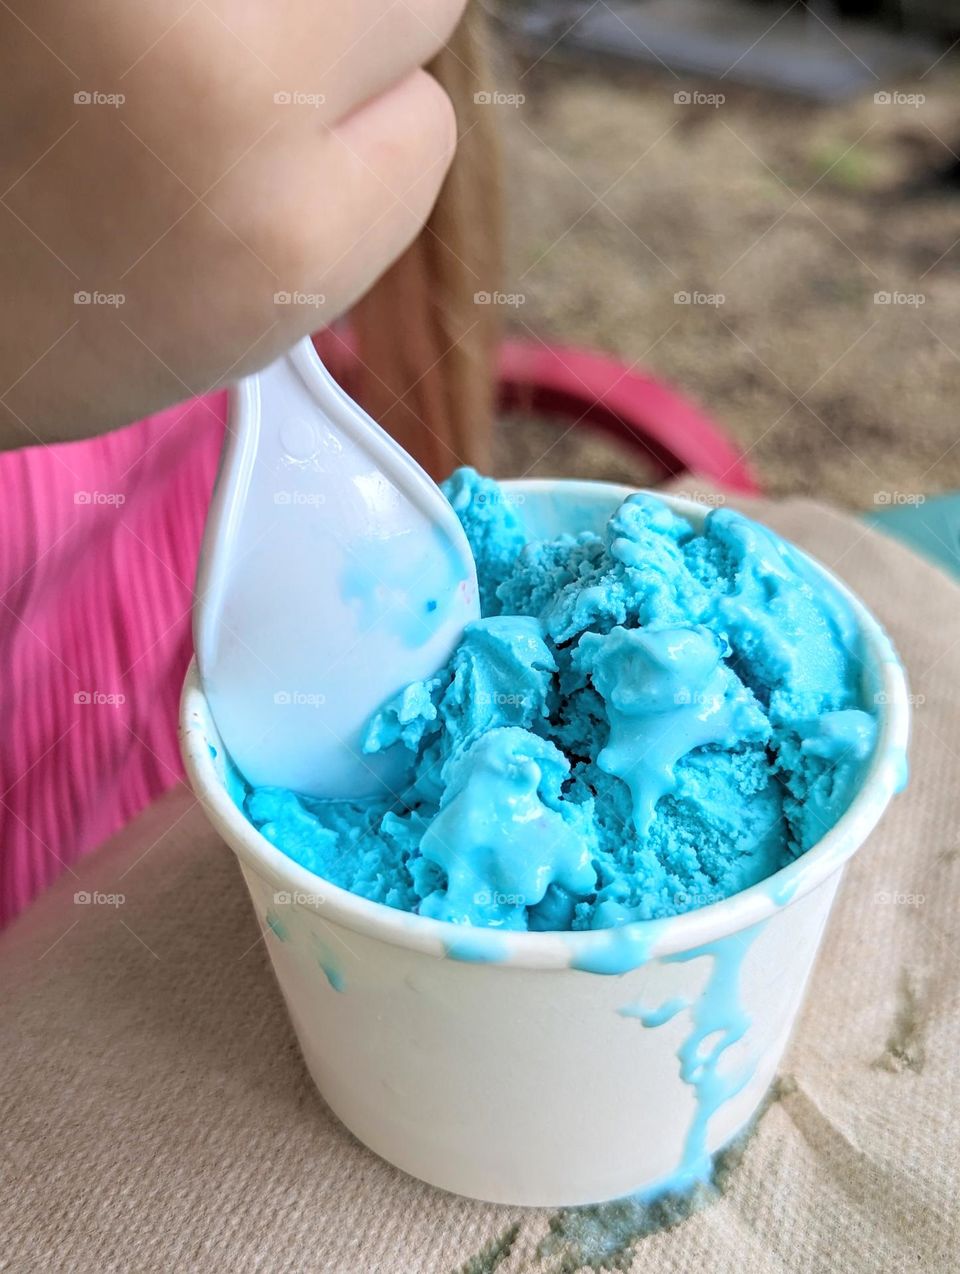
(314, 221)
(363, 191)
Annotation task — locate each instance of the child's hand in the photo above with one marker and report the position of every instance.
(173, 172)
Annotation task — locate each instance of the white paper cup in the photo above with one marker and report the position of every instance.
(485, 1063)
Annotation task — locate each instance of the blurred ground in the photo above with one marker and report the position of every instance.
(797, 214)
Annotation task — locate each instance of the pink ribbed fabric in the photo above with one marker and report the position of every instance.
(98, 550)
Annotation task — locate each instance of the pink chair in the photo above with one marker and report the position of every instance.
(97, 562)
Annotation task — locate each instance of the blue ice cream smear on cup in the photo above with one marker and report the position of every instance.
(642, 722)
(718, 1022)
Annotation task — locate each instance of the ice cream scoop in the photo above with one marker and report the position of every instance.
(645, 720)
(333, 573)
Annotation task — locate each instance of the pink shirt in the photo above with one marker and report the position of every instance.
(98, 550)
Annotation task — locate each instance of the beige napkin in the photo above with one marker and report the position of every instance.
(157, 1115)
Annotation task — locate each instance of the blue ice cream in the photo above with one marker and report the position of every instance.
(642, 722)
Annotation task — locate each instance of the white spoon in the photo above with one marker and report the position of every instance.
(333, 573)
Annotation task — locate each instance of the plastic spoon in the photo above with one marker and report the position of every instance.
(333, 573)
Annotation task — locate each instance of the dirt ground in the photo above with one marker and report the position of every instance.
(797, 215)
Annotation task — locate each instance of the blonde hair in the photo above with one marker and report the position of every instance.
(426, 346)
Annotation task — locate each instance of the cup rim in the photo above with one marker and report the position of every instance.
(200, 746)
